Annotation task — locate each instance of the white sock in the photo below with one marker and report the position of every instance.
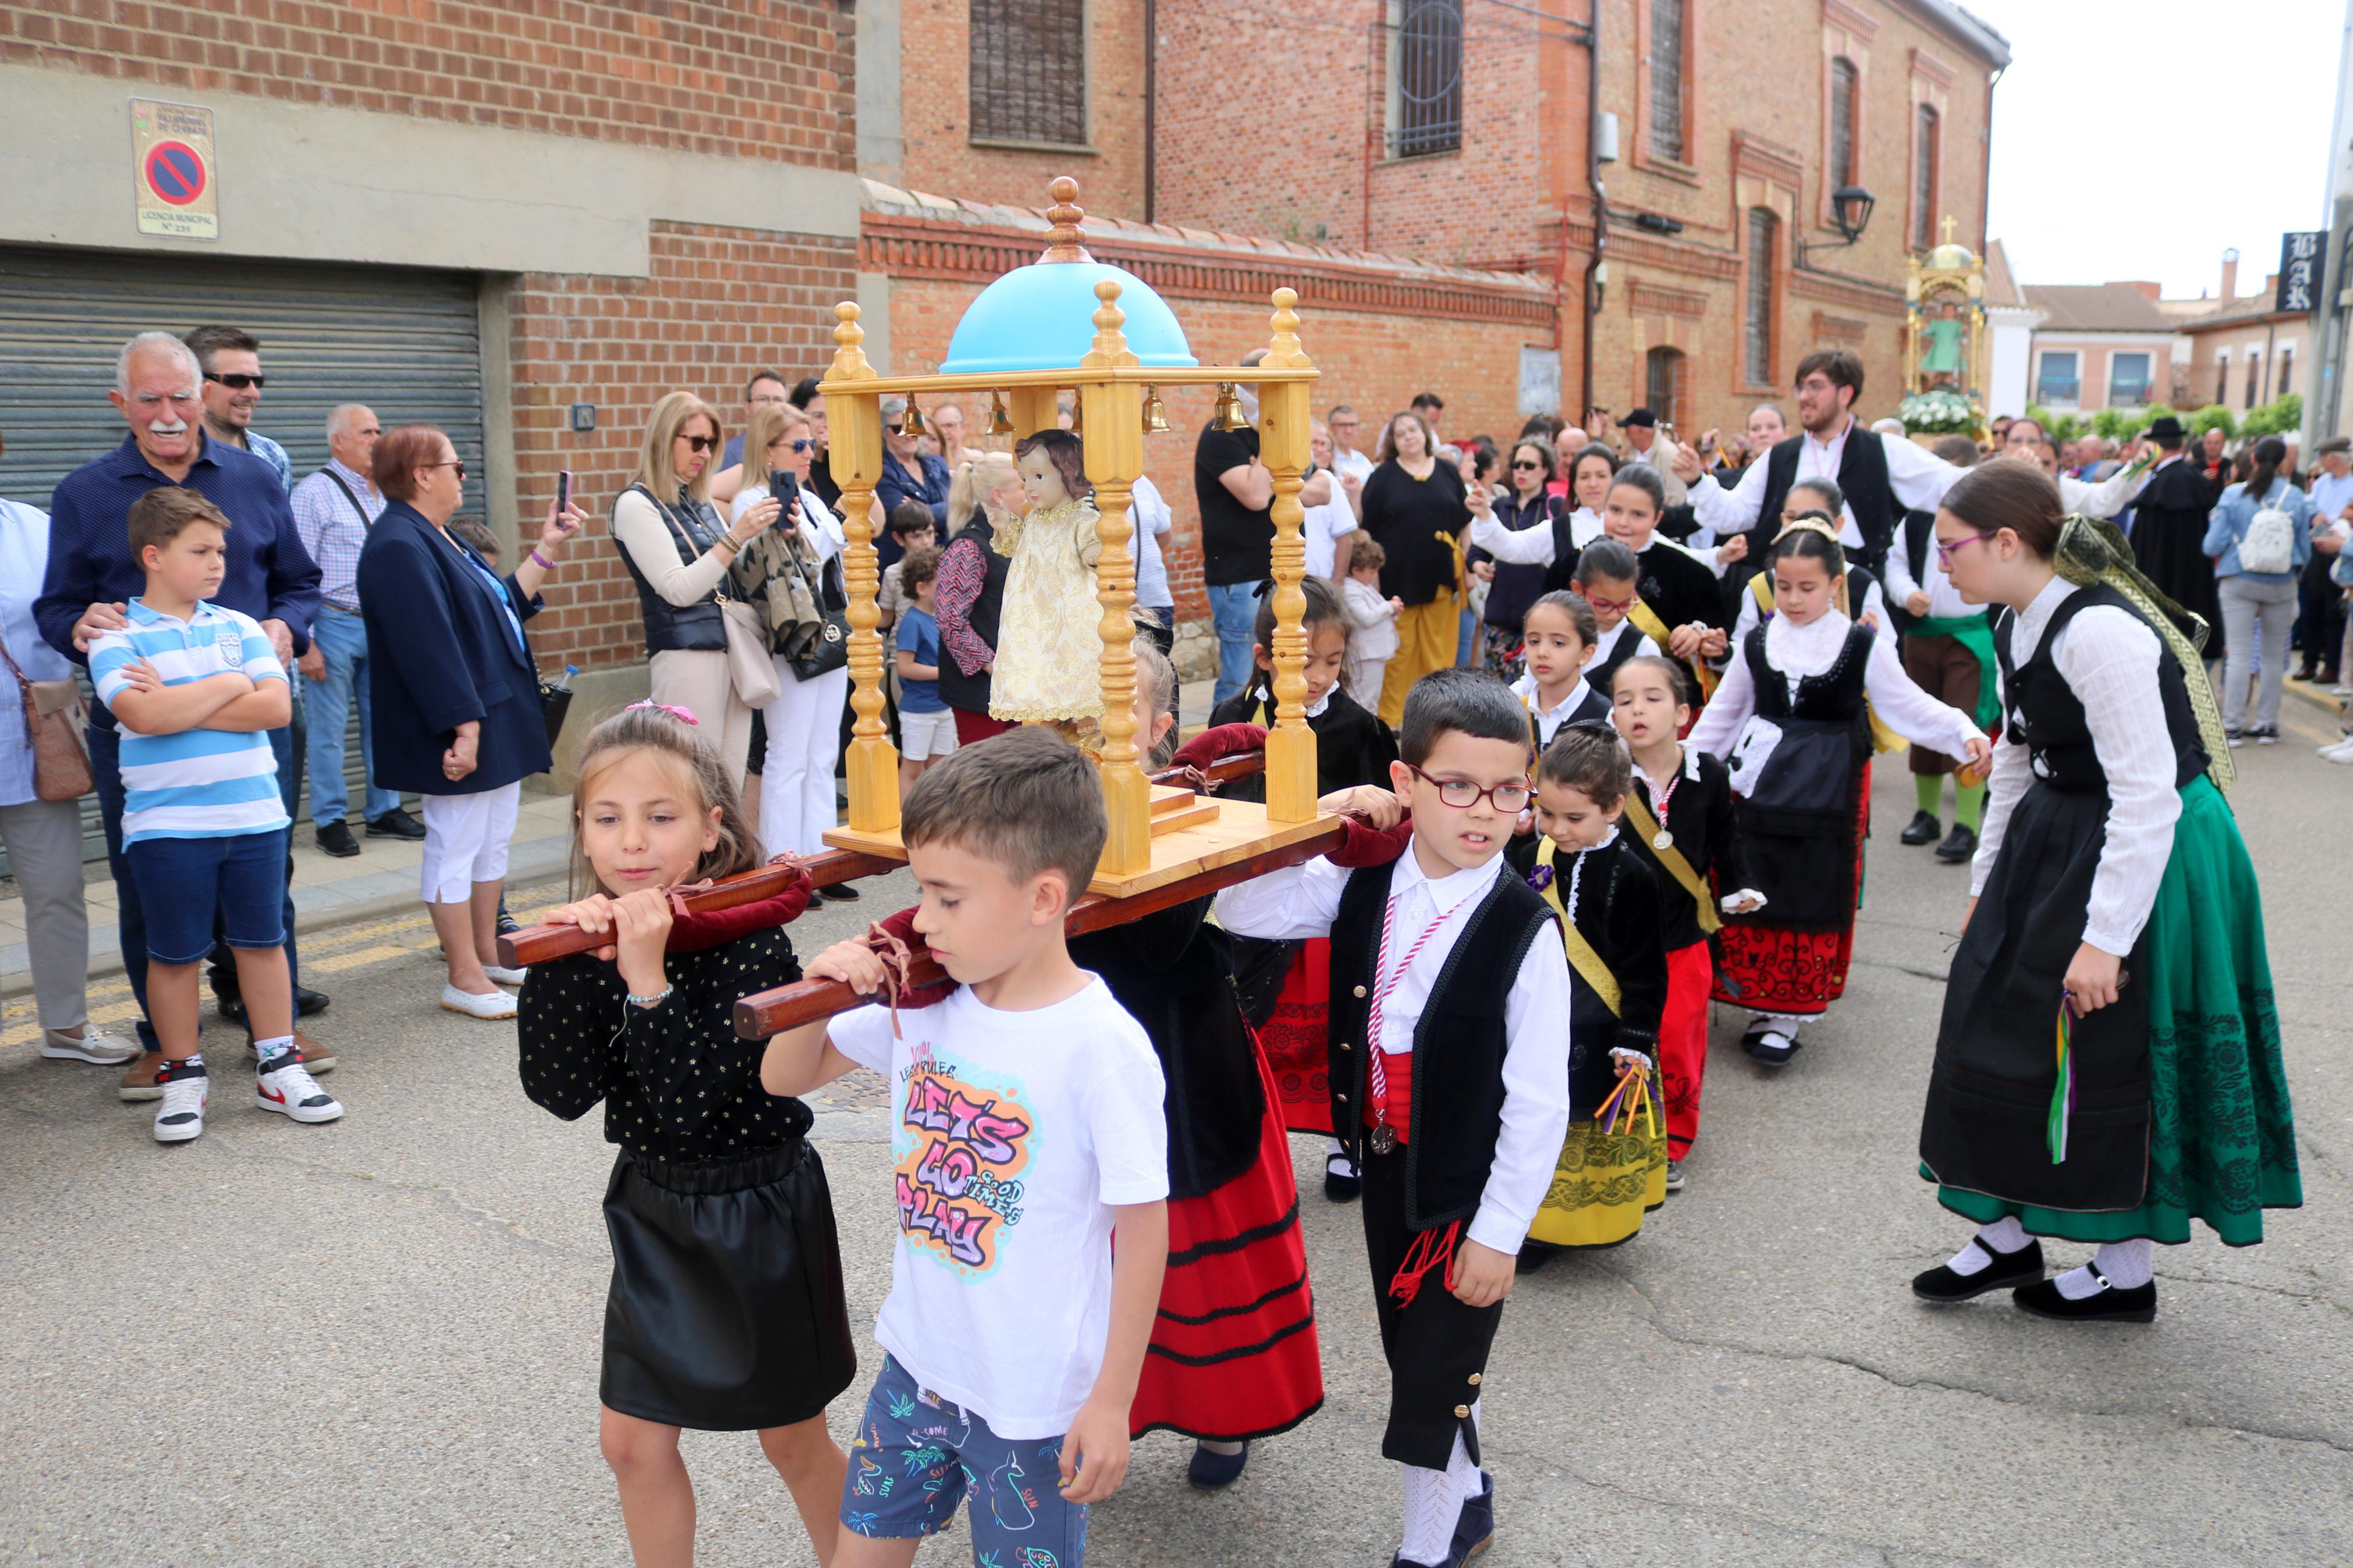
(1336, 1161)
(1227, 1449)
(1434, 1499)
(270, 1047)
(2005, 1235)
(2129, 1265)
(1784, 1023)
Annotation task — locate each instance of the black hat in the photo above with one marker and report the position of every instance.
(1639, 417)
(2165, 427)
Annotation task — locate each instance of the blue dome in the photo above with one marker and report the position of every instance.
(1041, 317)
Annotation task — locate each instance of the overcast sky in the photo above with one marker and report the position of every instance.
(2239, 99)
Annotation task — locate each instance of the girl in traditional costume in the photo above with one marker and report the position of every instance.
(1790, 723)
(2108, 1064)
(1613, 1163)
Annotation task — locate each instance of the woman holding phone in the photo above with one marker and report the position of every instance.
(678, 554)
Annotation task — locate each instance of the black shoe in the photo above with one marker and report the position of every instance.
(1474, 1532)
(840, 893)
(1924, 829)
(309, 1003)
(2106, 1305)
(1960, 845)
(1341, 1182)
(1768, 1047)
(1211, 1472)
(2307, 674)
(336, 838)
(396, 824)
(2007, 1269)
(229, 1006)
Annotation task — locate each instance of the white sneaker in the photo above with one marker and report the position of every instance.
(2340, 752)
(93, 1045)
(291, 1090)
(497, 1004)
(181, 1115)
(504, 976)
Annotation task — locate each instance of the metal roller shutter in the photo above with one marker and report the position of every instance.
(407, 344)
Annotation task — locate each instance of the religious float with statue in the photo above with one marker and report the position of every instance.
(1947, 351)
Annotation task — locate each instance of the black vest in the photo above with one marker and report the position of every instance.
(671, 627)
(1862, 478)
(1458, 1047)
(1835, 695)
(2044, 711)
(957, 689)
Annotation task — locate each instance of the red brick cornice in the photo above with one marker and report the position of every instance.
(1852, 292)
(902, 245)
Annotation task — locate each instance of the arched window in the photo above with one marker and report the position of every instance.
(1842, 97)
(1923, 179)
(1425, 105)
(1667, 79)
(1756, 340)
(1663, 375)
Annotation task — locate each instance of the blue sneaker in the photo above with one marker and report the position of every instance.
(1474, 1532)
(1212, 1471)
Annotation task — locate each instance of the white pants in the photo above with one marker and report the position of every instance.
(44, 839)
(804, 743)
(696, 680)
(466, 839)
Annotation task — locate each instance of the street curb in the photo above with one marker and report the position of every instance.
(2316, 695)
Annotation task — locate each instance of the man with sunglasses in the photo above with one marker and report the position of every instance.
(92, 575)
(231, 358)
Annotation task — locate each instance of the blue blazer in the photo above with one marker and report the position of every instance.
(441, 652)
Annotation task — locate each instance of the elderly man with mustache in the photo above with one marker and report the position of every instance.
(158, 387)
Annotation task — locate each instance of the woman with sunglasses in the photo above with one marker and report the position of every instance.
(1512, 589)
(678, 552)
(793, 572)
(453, 694)
(2108, 1062)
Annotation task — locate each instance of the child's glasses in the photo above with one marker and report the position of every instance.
(1945, 551)
(1511, 799)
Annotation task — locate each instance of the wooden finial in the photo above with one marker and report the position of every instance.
(849, 357)
(1064, 242)
(1285, 349)
(1111, 345)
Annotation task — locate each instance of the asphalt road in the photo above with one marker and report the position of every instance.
(375, 1343)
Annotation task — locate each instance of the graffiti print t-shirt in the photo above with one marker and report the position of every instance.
(1014, 1135)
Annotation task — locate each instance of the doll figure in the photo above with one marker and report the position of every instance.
(1049, 651)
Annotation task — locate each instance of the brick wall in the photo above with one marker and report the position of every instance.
(768, 78)
(936, 100)
(718, 301)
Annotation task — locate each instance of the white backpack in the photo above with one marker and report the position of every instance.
(2269, 545)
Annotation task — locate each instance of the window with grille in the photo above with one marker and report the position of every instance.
(1757, 347)
(2129, 381)
(2287, 371)
(1663, 374)
(1426, 90)
(1923, 181)
(2254, 379)
(1843, 85)
(2222, 379)
(1667, 78)
(1030, 71)
(2060, 381)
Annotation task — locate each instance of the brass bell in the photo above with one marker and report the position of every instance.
(1155, 413)
(913, 424)
(1000, 423)
(1077, 413)
(1230, 408)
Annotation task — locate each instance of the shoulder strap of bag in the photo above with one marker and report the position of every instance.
(1581, 956)
(684, 537)
(357, 510)
(22, 685)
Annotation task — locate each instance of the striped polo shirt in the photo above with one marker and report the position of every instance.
(199, 783)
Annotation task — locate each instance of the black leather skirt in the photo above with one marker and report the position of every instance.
(726, 1312)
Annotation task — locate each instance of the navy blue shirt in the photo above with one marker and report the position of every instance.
(928, 484)
(270, 575)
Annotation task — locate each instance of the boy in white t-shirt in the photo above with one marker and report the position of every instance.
(1027, 1110)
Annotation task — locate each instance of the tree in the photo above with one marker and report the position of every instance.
(2058, 427)
(2213, 417)
(2277, 417)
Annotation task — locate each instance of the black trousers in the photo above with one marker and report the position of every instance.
(2320, 614)
(1437, 1347)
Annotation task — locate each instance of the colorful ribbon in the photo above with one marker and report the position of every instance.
(1632, 1099)
(2062, 1094)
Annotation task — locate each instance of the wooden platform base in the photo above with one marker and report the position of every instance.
(1187, 840)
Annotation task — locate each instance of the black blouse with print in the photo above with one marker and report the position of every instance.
(677, 1081)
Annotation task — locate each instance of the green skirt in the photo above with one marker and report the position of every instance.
(2222, 1144)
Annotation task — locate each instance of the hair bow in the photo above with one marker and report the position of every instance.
(682, 715)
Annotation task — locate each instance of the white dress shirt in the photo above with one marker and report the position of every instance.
(1533, 546)
(1917, 478)
(1550, 720)
(821, 531)
(1148, 514)
(1796, 652)
(2109, 496)
(24, 558)
(1302, 901)
(1944, 601)
(2109, 657)
(1875, 603)
(1605, 644)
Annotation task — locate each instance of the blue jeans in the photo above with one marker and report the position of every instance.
(341, 637)
(202, 886)
(106, 767)
(1233, 608)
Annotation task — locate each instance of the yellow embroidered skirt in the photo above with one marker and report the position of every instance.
(1606, 1182)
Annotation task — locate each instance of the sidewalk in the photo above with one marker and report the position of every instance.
(381, 879)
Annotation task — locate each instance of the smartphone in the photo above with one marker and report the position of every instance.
(563, 490)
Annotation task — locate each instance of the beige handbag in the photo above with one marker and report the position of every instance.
(54, 718)
(749, 669)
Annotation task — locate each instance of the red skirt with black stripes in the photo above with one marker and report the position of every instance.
(1233, 1354)
(1297, 1037)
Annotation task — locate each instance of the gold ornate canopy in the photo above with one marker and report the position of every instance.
(1157, 835)
(1945, 344)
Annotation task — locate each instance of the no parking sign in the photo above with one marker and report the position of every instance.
(171, 168)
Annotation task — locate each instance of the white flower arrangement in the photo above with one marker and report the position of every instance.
(1939, 411)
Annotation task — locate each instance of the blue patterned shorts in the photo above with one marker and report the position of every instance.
(915, 1457)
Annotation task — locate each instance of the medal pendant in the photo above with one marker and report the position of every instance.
(1384, 1139)
(1663, 840)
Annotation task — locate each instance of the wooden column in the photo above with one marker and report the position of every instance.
(1282, 414)
(1034, 408)
(1113, 419)
(854, 423)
